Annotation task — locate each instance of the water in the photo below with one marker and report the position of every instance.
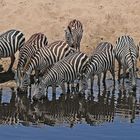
(108, 115)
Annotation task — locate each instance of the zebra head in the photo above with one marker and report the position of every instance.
(24, 82)
(18, 76)
(38, 91)
(69, 37)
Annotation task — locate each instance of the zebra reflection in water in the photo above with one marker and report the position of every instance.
(68, 109)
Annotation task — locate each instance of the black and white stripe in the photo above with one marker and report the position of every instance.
(34, 43)
(44, 58)
(74, 33)
(66, 70)
(101, 61)
(10, 42)
(126, 54)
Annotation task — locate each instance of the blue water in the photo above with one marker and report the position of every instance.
(108, 115)
(112, 131)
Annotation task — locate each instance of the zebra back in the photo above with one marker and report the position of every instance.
(10, 42)
(102, 47)
(78, 60)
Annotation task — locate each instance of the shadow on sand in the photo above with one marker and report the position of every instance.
(6, 76)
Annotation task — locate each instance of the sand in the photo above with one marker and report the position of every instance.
(102, 20)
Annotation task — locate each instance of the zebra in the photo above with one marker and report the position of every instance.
(10, 42)
(65, 70)
(44, 58)
(35, 42)
(102, 60)
(74, 33)
(126, 53)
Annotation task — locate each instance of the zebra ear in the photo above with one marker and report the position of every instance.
(69, 29)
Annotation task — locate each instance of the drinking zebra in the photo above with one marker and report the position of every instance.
(101, 61)
(126, 54)
(66, 70)
(10, 42)
(35, 42)
(74, 33)
(44, 58)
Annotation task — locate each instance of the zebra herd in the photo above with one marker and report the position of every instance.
(62, 62)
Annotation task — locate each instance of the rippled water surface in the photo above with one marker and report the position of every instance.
(108, 115)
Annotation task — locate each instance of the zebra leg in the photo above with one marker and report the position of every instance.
(91, 82)
(124, 74)
(68, 87)
(72, 87)
(104, 77)
(63, 87)
(99, 78)
(119, 72)
(53, 91)
(37, 74)
(12, 62)
(112, 71)
(77, 87)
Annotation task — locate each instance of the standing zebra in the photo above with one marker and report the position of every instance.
(10, 42)
(101, 61)
(126, 54)
(35, 42)
(74, 33)
(66, 70)
(44, 58)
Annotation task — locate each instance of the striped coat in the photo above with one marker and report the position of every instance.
(126, 53)
(33, 44)
(10, 42)
(74, 33)
(101, 61)
(45, 58)
(66, 70)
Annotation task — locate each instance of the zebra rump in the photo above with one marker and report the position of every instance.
(10, 42)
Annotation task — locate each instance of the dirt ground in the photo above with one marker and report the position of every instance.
(102, 20)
